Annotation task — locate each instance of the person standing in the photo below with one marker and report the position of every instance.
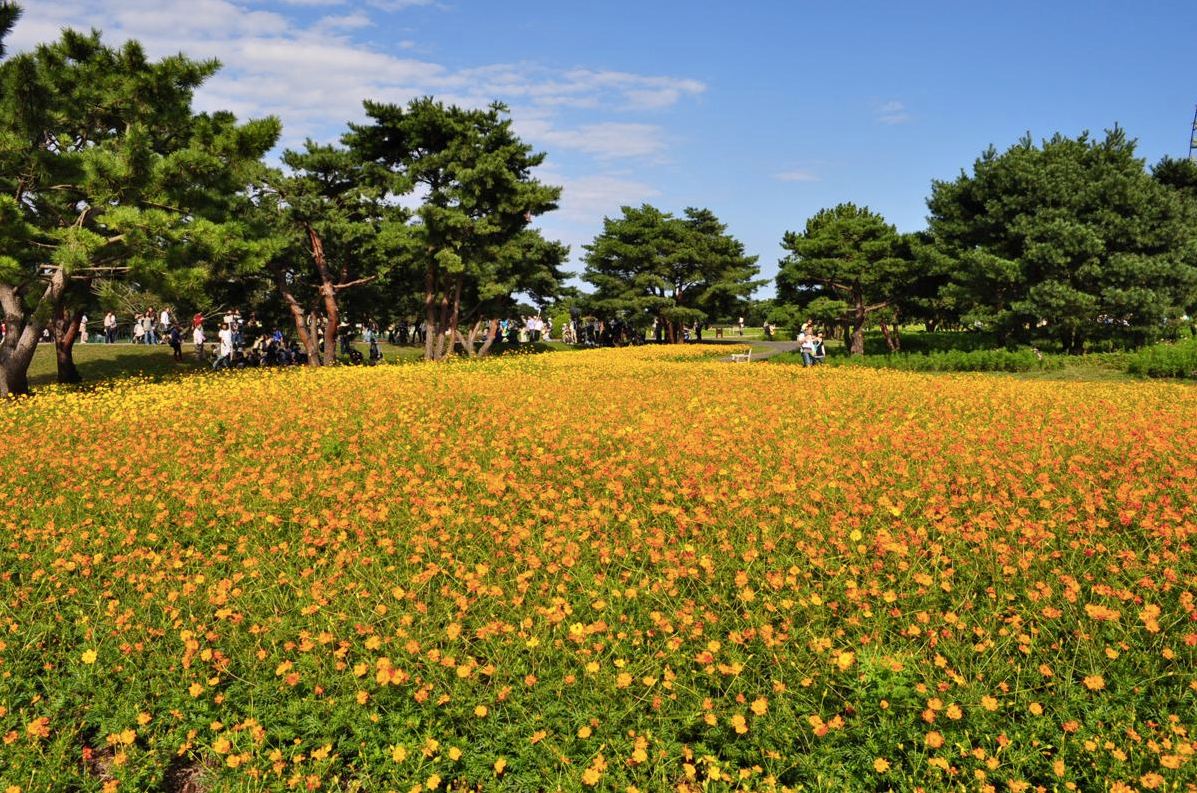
(820, 352)
(197, 336)
(174, 337)
(741, 326)
(375, 352)
(165, 322)
(147, 321)
(224, 357)
(110, 328)
(83, 329)
(138, 329)
(807, 346)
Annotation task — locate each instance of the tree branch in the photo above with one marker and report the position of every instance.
(156, 205)
(358, 282)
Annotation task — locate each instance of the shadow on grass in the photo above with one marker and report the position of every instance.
(101, 363)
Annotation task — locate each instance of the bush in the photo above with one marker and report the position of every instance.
(1165, 360)
(955, 361)
(559, 323)
(941, 341)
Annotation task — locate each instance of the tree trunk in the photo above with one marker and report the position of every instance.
(468, 341)
(23, 332)
(65, 330)
(858, 324)
(329, 295)
(20, 343)
(314, 335)
(441, 325)
(333, 322)
(455, 312)
(890, 338)
(492, 331)
(307, 339)
(430, 311)
(1074, 343)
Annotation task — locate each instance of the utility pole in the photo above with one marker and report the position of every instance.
(1193, 139)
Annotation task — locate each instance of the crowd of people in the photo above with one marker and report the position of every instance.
(238, 341)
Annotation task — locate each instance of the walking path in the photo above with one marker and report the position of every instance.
(771, 348)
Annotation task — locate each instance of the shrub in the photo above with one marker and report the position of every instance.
(955, 361)
(1165, 360)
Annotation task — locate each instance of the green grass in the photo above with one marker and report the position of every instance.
(1080, 372)
(99, 362)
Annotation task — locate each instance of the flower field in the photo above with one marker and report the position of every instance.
(610, 570)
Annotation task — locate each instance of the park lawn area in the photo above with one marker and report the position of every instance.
(102, 362)
(614, 569)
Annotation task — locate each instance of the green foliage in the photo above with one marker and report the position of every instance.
(469, 249)
(1165, 360)
(648, 263)
(955, 361)
(9, 14)
(1071, 241)
(559, 323)
(849, 263)
(322, 221)
(111, 174)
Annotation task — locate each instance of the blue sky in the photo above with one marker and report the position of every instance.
(762, 111)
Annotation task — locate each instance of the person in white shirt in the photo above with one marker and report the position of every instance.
(164, 322)
(110, 328)
(197, 336)
(807, 345)
(83, 329)
(225, 356)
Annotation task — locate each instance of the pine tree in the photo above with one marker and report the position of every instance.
(106, 172)
(479, 196)
(648, 264)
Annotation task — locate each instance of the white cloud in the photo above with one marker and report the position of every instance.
(399, 5)
(314, 77)
(343, 22)
(585, 199)
(605, 140)
(892, 112)
(797, 175)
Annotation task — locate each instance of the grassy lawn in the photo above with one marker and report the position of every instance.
(1081, 372)
(99, 362)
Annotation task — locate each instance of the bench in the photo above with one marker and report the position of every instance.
(742, 357)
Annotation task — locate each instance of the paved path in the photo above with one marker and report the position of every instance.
(774, 348)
